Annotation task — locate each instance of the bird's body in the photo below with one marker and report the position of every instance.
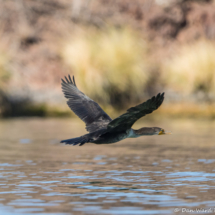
(102, 129)
(113, 137)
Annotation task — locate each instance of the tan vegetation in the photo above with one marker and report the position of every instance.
(121, 53)
(192, 69)
(108, 63)
(4, 70)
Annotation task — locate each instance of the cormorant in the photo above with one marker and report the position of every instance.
(102, 129)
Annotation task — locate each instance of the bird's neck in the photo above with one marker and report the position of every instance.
(133, 134)
(145, 131)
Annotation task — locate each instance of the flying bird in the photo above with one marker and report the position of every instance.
(102, 129)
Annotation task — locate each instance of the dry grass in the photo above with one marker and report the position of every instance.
(187, 110)
(108, 63)
(4, 71)
(4, 77)
(192, 69)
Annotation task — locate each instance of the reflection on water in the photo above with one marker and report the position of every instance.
(148, 175)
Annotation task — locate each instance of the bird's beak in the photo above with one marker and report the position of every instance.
(164, 132)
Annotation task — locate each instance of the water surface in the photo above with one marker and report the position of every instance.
(149, 175)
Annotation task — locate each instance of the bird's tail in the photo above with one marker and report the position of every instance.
(75, 141)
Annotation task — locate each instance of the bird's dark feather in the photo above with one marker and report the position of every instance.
(84, 107)
(126, 120)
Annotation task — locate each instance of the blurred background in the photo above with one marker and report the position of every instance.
(121, 53)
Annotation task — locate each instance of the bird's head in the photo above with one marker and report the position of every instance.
(151, 131)
(161, 131)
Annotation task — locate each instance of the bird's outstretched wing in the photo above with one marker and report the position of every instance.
(84, 107)
(126, 120)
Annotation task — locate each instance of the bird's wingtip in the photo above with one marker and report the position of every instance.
(69, 80)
